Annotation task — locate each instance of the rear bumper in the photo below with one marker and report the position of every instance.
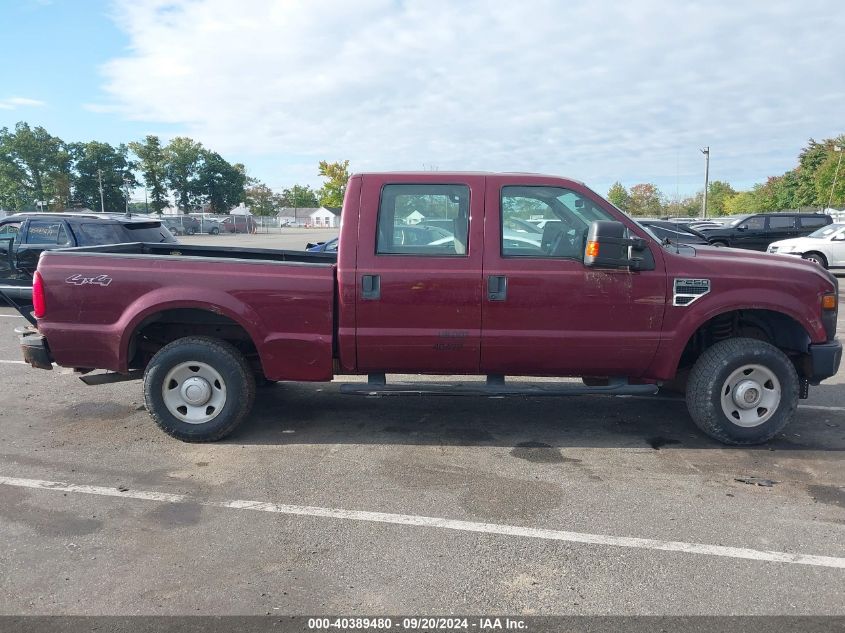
(824, 360)
(35, 350)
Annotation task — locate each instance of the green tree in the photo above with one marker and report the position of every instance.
(260, 198)
(153, 168)
(742, 202)
(34, 166)
(218, 183)
(336, 175)
(183, 158)
(717, 193)
(300, 197)
(646, 200)
(832, 168)
(685, 207)
(94, 160)
(618, 195)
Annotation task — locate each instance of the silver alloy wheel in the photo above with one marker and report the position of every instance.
(750, 395)
(194, 392)
(814, 258)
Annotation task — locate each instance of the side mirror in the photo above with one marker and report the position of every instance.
(742, 227)
(608, 246)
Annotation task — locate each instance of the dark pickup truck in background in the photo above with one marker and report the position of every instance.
(24, 236)
(591, 294)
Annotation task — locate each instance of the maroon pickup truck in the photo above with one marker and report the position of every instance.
(447, 273)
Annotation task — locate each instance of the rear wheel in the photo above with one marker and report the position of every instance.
(198, 389)
(820, 259)
(214, 231)
(742, 391)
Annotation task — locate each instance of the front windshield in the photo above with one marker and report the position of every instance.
(826, 231)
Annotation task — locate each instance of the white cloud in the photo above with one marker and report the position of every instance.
(13, 103)
(582, 88)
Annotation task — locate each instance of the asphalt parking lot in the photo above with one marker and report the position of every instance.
(325, 503)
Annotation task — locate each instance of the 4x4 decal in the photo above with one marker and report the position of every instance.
(80, 280)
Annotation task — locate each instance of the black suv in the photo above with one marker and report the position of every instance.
(24, 236)
(757, 231)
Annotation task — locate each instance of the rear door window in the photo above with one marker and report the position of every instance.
(782, 222)
(428, 220)
(94, 234)
(147, 233)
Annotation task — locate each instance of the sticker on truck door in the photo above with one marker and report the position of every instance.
(688, 290)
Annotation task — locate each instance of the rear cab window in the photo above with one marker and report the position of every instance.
(813, 222)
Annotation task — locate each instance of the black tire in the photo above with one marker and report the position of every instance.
(718, 243)
(192, 231)
(710, 374)
(227, 361)
(813, 256)
(214, 231)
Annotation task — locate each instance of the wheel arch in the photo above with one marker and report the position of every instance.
(160, 324)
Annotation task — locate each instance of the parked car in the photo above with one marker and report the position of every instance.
(24, 236)
(757, 231)
(744, 334)
(239, 224)
(329, 246)
(826, 246)
(673, 231)
(173, 226)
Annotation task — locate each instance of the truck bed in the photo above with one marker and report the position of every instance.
(100, 299)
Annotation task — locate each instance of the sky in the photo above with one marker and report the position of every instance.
(594, 90)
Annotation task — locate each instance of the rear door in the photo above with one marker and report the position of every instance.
(545, 313)
(418, 295)
(780, 227)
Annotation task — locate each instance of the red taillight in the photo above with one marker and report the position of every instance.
(38, 305)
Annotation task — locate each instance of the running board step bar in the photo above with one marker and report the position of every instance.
(111, 377)
(494, 387)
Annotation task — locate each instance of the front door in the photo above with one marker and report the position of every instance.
(553, 315)
(418, 303)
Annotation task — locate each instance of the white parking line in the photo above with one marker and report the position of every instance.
(443, 524)
(10, 316)
(13, 362)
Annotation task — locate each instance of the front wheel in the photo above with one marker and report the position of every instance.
(719, 244)
(198, 389)
(818, 258)
(742, 391)
(214, 231)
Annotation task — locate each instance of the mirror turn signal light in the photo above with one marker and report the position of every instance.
(829, 302)
(592, 249)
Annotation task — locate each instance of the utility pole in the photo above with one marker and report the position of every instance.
(836, 148)
(126, 195)
(706, 152)
(100, 180)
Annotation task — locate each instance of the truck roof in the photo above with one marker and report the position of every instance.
(466, 173)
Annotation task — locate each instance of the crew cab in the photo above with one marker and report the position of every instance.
(591, 295)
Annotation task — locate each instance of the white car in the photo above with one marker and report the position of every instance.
(825, 246)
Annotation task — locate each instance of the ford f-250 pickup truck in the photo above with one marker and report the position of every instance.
(591, 294)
